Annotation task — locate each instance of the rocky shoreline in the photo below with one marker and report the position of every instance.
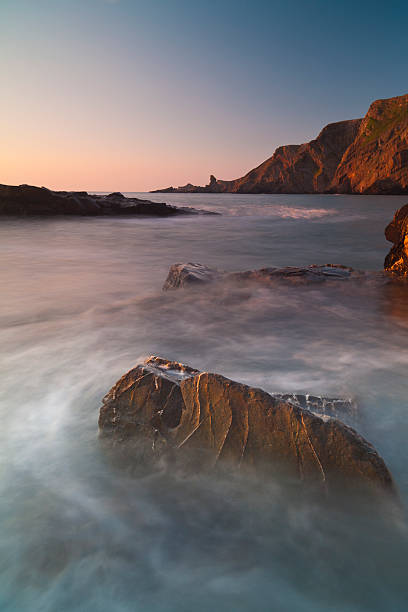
(26, 200)
(163, 412)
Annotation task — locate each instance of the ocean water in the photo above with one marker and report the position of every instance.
(81, 303)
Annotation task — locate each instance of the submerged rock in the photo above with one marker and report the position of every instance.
(313, 273)
(182, 274)
(397, 232)
(164, 409)
(26, 200)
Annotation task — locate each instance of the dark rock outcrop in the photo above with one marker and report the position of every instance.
(368, 155)
(26, 200)
(397, 233)
(163, 409)
(214, 186)
(182, 274)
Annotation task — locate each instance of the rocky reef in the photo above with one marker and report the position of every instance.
(165, 411)
(185, 274)
(397, 233)
(26, 200)
(361, 156)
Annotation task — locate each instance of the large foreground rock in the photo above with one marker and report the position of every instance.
(26, 200)
(183, 274)
(163, 409)
(397, 233)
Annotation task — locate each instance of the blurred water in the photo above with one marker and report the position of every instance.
(81, 303)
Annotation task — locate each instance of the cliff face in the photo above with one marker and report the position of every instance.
(377, 160)
(306, 168)
(367, 155)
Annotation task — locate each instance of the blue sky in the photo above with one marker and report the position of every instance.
(132, 95)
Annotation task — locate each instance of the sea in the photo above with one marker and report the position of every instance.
(82, 303)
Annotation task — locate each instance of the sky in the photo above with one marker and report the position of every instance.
(134, 95)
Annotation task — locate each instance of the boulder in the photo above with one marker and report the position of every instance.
(397, 233)
(166, 410)
(26, 200)
(182, 274)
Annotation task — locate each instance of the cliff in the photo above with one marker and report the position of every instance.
(377, 161)
(368, 155)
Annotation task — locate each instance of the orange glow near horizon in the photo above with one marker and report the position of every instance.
(53, 157)
(95, 169)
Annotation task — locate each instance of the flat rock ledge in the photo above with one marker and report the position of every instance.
(164, 410)
(185, 274)
(26, 200)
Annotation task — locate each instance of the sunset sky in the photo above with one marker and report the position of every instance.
(133, 95)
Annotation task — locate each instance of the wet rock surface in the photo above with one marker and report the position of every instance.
(164, 410)
(397, 233)
(313, 273)
(26, 200)
(324, 406)
(183, 274)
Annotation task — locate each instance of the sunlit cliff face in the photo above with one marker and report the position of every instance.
(400, 265)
